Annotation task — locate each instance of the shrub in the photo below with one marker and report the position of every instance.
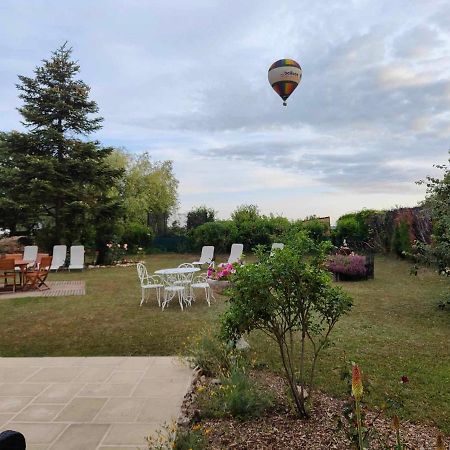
(316, 229)
(190, 439)
(211, 354)
(221, 234)
(137, 236)
(286, 293)
(238, 396)
(355, 228)
(169, 437)
(401, 241)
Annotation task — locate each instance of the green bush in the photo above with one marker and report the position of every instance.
(401, 241)
(190, 440)
(211, 354)
(354, 227)
(238, 396)
(316, 229)
(287, 292)
(137, 236)
(221, 234)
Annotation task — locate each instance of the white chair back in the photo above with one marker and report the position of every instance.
(235, 253)
(207, 254)
(142, 272)
(59, 256)
(76, 257)
(275, 246)
(30, 253)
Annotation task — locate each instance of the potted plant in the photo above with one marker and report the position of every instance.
(347, 267)
(219, 279)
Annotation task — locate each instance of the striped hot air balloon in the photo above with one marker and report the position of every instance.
(284, 77)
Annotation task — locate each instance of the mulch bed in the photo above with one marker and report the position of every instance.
(281, 429)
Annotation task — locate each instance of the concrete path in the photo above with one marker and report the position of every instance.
(99, 403)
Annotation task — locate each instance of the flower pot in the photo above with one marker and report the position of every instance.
(218, 286)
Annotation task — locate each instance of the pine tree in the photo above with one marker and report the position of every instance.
(55, 170)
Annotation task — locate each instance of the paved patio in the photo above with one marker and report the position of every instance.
(106, 403)
(57, 289)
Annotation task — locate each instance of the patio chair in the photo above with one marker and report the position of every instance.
(30, 253)
(149, 282)
(36, 278)
(76, 257)
(235, 253)
(171, 289)
(276, 246)
(39, 258)
(7, 271)
(200, 282)
(59, 257)
(206, 256)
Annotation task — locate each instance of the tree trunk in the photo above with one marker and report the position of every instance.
(298, 400)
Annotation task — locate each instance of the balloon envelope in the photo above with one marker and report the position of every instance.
(284, 77)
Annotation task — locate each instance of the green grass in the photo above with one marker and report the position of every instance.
(394, 329)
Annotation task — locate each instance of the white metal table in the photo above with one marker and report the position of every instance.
(177, 271)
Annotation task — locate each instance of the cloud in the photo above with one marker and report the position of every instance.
(189, 82)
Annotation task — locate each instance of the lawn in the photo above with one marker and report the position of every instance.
(394, 329)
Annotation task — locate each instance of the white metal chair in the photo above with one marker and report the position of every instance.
(76, 257)
(206, 256)
(149, 282)
(200, 282)
(275, 246)
(185, 279)
(171, 289)
(30, 253)
(59, 257)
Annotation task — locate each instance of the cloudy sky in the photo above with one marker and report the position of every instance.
(187, 81)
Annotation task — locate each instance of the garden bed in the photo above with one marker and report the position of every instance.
(281, 429)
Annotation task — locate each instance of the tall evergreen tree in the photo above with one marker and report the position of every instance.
(53, 170)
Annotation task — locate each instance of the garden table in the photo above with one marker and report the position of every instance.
(22, 265)
(177, 271)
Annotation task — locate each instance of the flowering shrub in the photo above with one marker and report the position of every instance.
(224, 272)
(115, 253)
(347, 264)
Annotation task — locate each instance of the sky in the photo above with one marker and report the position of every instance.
(187, 81)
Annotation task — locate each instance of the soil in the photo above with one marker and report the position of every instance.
(281, 429)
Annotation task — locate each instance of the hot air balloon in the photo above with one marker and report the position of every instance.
(284, 77)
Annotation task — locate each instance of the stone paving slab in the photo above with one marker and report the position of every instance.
(93, 403)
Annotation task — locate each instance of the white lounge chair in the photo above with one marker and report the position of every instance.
(76, 257)
(206, 256)
(275, 246)
(30, 253)
(235, 254)
(59, 256)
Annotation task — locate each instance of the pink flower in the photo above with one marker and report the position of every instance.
(109, 245)
(125, 246)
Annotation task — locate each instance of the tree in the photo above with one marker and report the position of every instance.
(289, 297)
(147, 186)
(245, 213)
(438, 203)
(198, 216)
(54, 174)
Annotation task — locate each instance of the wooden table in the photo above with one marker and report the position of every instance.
(22, 264)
